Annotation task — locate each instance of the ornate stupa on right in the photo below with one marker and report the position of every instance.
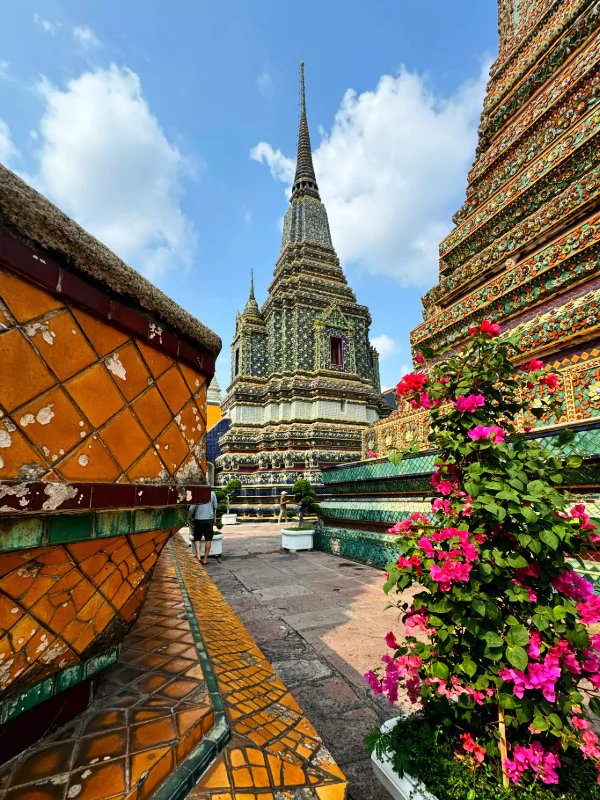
(525, 249)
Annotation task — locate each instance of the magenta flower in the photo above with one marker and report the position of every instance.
(550, 380)
(480, 432)
(470, 403)
(420, 358)
(533, 365)
(390, 640)
(373, 682)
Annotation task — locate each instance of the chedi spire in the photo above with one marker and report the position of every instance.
(305, 182)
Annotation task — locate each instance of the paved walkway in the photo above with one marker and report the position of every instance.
(320, 621)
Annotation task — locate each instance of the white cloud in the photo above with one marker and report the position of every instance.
(264, 81)
(392, 171)
(48, 27)
(282, 168)
(8, 151)
(86, 37)
(247, 216)
(4, 70)
(104, 160)
(385, 346)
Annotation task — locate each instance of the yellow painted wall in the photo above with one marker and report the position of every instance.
(213, 415)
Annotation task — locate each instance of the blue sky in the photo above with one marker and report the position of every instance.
(169, 131)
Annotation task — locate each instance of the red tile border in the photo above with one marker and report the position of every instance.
(45, 271)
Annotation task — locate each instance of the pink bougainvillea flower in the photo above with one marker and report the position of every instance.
(550, 380)
(543, 762)
(469, 403)
(390, 640)
(371, 454)
(420, 358)
(579, 512)
(480, 432)
(470, 745)
(373, 682)
(491, 328)
(413, 382)
(533, 365)
(440, 504)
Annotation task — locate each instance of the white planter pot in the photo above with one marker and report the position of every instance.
(296, 539)
(405, 788)
(216, 548)
(229, 519)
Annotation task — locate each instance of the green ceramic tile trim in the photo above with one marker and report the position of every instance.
(369, 548)
(59, 682)
(69, 528)
(25, 533)
(183, 779)
(113, 523)
(20, 533)
(385, 510)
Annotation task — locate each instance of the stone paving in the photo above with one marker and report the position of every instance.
(320, 621)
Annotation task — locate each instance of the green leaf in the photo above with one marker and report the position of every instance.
(472, 488)
(528, 514)
(540, 622)
(549, 538)
(485, 569)
(492, 611)
(479, 607)
(515, 560)
(518, 636)
(517, 657)
(574, 461)
(556, 721)
(471, 794)
(395, 458)
(469, 667)
(559, 612)
(510, 620)
(539, 724)
(500, 562)
(536, 487)
(595, 705)
(506, 700)
(440, 670)
(493, 639)
(566, 436)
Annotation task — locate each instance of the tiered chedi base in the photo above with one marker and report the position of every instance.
(259, 502)
(364, 499)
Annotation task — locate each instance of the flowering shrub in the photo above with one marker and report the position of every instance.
(496, 646)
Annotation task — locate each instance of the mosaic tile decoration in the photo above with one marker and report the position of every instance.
(98, 405)
(382, 510)
(151, 712)
(369, 548)
(274, 751)
(65, 603)
(56, 683)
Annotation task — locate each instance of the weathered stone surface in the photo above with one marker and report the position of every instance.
(296, 671)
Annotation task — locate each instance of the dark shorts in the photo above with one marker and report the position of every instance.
(203, 529)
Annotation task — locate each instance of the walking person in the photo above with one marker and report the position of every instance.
(283, 507)
(202, 520)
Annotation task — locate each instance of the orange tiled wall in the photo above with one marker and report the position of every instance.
(82, 401)
(64, 603)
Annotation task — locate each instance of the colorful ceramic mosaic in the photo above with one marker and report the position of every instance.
(98, 405)
(274, 749)
(304, 377)
(152, 714)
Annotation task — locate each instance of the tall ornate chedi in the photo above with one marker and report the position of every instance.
(304, 377)
(525, 252)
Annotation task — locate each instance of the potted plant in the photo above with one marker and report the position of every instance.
(504, 670)
(300, 537)
(231, 489)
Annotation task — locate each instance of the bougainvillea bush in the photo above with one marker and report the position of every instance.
(497, 651)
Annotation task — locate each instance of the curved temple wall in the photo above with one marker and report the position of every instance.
(102, 444)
